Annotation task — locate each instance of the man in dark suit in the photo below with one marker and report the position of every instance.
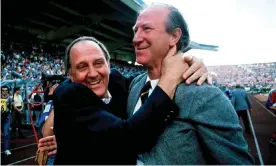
(207, 130)
(85, 118)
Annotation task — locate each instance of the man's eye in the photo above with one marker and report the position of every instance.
(81, 67)
(98, 64)
(147, 29)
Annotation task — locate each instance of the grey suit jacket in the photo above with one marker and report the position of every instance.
(207, 130)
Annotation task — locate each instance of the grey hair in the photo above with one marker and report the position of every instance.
(83, 38)
(175, 20)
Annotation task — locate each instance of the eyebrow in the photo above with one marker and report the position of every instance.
(142, 25)
(100, 58)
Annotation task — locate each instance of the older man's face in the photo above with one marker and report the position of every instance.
(151, 41)
(90, 67)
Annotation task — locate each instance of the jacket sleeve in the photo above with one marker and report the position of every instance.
(218, 128)
(93, 122)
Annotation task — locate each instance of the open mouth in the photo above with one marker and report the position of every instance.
(141, 48)
(94, 82)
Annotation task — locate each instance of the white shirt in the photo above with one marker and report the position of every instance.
(17, 100)
(153, 84)
(108, 99)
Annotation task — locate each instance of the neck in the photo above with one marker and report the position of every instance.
(154, 71)
(105, 95)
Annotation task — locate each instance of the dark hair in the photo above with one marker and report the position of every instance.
(175, 20)
(238, 86)
(83, 38)
(17, 88)
(2, 87)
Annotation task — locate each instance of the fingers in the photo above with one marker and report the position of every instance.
(47, 146)
(46, 139)
(202, 79)
(194, 67)
(195, 75)
(52, 152)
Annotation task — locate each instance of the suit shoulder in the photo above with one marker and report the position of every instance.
(137, 79)
(71, 89)
(196, 100)
(195, 89)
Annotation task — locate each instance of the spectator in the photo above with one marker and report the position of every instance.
(17, 111)
(242, 104)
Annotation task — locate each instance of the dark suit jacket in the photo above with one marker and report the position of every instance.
(87, 133)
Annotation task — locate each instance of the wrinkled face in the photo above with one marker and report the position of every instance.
(151, 41)
(90, 67)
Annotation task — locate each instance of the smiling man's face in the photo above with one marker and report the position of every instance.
(151, 41)
(90, 67)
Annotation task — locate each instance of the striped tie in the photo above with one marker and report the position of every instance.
(145, 92)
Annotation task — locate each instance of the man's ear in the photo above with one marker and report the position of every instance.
(175, 36)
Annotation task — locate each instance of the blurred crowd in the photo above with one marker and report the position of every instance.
(32, 62)
(248, 75)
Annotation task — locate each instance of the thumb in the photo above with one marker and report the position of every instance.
(172, 51)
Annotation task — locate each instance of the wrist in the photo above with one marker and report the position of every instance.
(168, 87)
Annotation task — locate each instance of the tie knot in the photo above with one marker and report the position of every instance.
(146, 87)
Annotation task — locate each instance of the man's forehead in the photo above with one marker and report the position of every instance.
(85, 44)
(142, 23)
(150, 14)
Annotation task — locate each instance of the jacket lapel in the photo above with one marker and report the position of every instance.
(134, 95)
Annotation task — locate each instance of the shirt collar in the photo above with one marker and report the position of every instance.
(108, 99)
(153, 83)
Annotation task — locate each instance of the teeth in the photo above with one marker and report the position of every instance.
(94, 82)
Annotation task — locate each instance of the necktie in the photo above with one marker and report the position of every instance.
(145, 92)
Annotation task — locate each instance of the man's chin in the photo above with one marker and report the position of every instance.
(101, 94)
(141, 61)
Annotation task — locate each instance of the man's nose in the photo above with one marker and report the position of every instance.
(92, 72)
(137, 38)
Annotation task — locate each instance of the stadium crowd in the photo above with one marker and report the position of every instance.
(247, 75)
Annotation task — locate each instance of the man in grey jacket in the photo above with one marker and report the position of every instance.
(207, 130)
(242, 104)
